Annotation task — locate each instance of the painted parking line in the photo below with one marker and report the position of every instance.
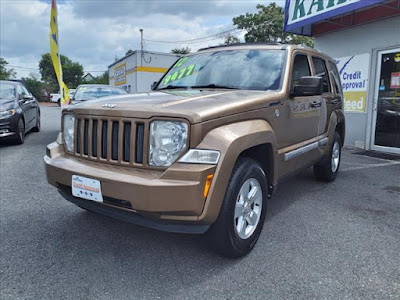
(370, 166)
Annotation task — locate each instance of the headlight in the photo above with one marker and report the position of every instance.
(7, 113)
(200, 156)
(167, 141)
(68, 131)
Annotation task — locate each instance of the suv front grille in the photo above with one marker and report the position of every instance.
(113, 140)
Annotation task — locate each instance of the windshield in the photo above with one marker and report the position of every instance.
(7, 90)
(240, 69)
(94, 92)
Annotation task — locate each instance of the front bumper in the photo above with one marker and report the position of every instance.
(174, 195)
(135, 218)
(8, 126)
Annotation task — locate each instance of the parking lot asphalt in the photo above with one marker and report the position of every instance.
(320, 241)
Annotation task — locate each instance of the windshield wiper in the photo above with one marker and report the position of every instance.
(213, 85)
(171, 87)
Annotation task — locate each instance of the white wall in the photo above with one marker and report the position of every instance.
(368, 38)
(146, 79)
(140, 81)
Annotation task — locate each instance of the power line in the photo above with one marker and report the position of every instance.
(197, 40)
(18, 67)
(38, 70)
(85, 71)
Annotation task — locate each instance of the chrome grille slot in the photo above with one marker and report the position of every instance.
(78, 137)
(117, 141)
(94, 138)
(127, 141)
(114, 140)
(139, 143)
(86, 137)
(104, 133)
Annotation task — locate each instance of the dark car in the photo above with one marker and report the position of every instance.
(86, 92)
(19, 111)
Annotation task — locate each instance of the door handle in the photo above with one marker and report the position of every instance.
(334, 101)
(315, 104)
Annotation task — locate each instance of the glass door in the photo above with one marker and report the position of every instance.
(386, 130)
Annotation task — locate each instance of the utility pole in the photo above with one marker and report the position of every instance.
(141, 47)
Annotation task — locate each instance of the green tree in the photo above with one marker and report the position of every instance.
(231, 39)
(72, 71)
(4, 72)
(183, 50)
(35, 86)
(129, 52)
(101, 79)
(267, 26)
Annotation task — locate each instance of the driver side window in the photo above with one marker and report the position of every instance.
(20, 92)
(25, 91)
(301, 68)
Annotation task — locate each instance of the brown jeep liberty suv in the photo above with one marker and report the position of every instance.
(205, 150)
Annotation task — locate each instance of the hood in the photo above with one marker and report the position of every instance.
(7, 104)
(193, 105)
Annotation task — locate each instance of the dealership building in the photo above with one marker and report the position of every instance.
(363, 36)
(138, 70)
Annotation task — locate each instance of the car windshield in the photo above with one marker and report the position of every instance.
(7, 90)
(94, 92)
(234, 69)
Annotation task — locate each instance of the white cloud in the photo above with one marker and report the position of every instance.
(94, 32)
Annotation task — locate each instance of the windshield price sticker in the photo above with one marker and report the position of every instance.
(182, 73)
(180, 62)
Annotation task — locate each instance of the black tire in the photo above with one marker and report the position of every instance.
(327, 170)
(59, 102)
(37, 127)
(223, 235)
(21, 131)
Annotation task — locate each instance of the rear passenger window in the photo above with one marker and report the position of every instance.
(321, 71)
(336, 77)
(300, 68)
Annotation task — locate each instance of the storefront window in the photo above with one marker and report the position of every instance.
(387, 132)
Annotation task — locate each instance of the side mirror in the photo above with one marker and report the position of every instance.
(308, 86)
(28, 97)
(153, 85)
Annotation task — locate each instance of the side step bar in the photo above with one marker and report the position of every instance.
(305, 149)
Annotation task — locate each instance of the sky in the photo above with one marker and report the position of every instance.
(94, 32)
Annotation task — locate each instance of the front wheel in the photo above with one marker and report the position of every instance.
(21, 132)
(243, 210)
(328, 167)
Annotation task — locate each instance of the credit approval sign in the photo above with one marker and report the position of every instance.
(354, 73)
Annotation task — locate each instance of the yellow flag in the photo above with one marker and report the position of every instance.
(55, 54)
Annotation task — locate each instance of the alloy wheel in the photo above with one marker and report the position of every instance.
(21, 129)
(335, 156)
(248, 208)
